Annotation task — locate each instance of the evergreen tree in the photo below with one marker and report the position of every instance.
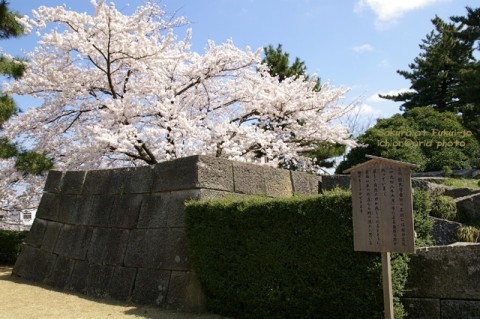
(469, 27)
(470, 89)
(26, 161)
(279, 65)
(422, 136)
(435, 74)
(446, 74)
(8, 28)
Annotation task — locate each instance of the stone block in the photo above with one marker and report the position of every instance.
(98, 208)
(22, 267)
(116, 246)
(427, 184)
(465, 309)
(457, 192)
(84, 209)
(151, 286)
(444, 232)
(431, 174)
(249, 179)
(175, 206)
(475, 174)
(67, 210)
(98, 245)
(36, 233)
(153, 213)
(72, 182)
(465, 173)
(174, 175)
(305, 183)
(139, 180)
(48, 207)
(330, 182)
(445, 272)
(97, 182)
(122, 283)
(51, 235)
(185, 292)
(278, 182)
(193, 172)
(176, 253)
(62, 271)
(469, 206)
(422, 308)
(108, 246)
(106, 181)
(73, 241)
(146, 248)
(215, 173)
(53, 182)
(118, 180)
(34, 264)
(78, 281)
(98, 281)
(125, 211)
(212, 194)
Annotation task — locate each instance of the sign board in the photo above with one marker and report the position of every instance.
(382, 206)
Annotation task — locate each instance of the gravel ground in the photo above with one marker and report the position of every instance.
(22, 299)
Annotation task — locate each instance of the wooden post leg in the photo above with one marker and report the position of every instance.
(387, 285)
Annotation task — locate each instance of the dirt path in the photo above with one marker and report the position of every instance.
(21, 299)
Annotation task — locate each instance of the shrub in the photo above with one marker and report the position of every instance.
(414, 137)
(286, 258)
(422, 204)
(468, 234)
(447, 171)
(444, 207)
(10, 245)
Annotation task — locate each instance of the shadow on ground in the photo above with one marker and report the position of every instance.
(47, 302)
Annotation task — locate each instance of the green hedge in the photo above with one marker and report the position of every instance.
(10, 245)
(286, 258)
(444, 207)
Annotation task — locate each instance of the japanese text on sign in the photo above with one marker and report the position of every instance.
(382, 208)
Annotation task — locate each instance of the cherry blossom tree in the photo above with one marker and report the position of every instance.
(20, 170)
(123, 90)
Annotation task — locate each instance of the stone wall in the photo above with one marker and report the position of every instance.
(444, 283)
(120, 233)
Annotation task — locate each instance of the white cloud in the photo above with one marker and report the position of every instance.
(366, 109)
(389, 11)
(363, 48)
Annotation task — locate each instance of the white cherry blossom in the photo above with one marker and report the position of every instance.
(122, 90)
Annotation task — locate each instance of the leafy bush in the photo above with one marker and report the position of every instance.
(423, 136)
(287, 258)
(468, 234)
(447, 171)
(10, 245)
(422, 205)
(444, 207)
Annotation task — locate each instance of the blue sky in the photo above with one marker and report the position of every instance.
(355, 43)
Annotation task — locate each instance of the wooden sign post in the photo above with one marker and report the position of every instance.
(383, 213)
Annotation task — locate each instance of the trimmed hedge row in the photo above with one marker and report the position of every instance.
(286, 258)
(10, 245)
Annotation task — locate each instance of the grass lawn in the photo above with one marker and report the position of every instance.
(461, 182)
(22, 299)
